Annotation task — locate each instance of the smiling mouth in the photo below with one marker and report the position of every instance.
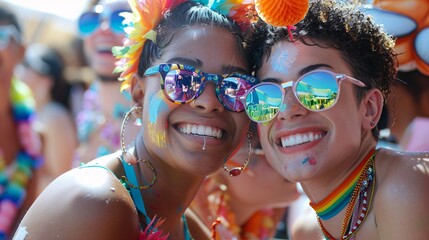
(300, 138)
(200, 130)
(104, 49)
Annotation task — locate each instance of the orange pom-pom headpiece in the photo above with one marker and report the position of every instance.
(282, 13)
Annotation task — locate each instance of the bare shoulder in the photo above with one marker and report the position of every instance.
(407, 168)
(402, 195)
(84, 203)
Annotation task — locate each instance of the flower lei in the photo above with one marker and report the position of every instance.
(91, 121)
(145, 17)
(13, 181)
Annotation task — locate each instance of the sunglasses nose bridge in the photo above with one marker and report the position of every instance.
(104, 23)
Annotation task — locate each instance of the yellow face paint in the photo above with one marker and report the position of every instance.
(158, 107)
(157, 137)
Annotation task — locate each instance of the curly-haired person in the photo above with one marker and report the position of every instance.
(323, 86)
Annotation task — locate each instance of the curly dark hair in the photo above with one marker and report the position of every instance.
(363, 45)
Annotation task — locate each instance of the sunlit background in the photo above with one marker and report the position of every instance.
(53, 22)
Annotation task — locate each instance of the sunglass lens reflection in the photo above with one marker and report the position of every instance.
(317, 91)
(116, 22)
(88, 23)
(230, 91)
(263, 102)
(181, 85)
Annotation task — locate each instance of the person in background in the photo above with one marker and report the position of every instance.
(248, 206)
(407, 107)
(104, 105)
(43, 71)
(20, 144)
(143, 190)
(323, 87)
(408, 111)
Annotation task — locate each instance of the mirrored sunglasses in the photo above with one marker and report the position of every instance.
(181, 84)
(90, 21)
(316, 91)
(8, 32)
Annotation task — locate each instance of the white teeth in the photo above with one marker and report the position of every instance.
(200, 130)
(300, 138)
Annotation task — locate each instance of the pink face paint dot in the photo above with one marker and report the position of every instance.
(312, 161)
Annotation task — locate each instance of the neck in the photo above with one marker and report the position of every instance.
(328, 191)
(242, 209)
(170, 195)
(319, 188)
(110, 98)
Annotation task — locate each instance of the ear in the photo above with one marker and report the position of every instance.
(373, 107)
(137, 89)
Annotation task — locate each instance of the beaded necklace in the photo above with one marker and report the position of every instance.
(15, 177)
(90, 122)
(340, 197)
(358, 205)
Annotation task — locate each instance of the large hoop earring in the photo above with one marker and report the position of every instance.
(133, 160)
(233, 172)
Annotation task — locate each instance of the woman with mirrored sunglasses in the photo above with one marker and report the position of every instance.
(99, 119)
(322, 92)
(143, 190)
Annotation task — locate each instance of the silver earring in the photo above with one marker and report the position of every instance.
(237, 170)
(133, 158)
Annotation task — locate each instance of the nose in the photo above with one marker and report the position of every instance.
(104, 24)
(291, 108)
(208, 101)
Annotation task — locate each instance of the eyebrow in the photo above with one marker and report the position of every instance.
(312, 68)
(300, 73)
(227, 69)
(197, 63)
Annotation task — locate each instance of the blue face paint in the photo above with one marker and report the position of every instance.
(157, 106)
(305, 160)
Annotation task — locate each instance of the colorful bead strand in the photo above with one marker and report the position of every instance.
(340, 197)
(15, 177)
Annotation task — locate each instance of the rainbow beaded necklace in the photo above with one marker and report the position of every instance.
(15, 177)
(341, 196)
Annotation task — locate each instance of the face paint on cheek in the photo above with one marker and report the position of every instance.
(158, 107)
(309, 160)
(283, 60)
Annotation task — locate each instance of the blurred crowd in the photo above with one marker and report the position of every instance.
(78, 110)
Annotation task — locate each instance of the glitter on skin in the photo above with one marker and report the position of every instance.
(283, 60)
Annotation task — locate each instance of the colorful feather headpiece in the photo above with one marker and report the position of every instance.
(146, 16)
